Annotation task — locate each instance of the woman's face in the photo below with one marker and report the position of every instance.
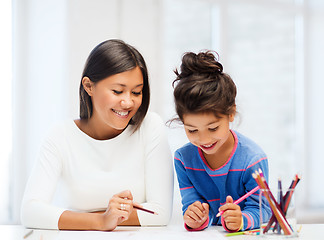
(206, 131)
(116, 99)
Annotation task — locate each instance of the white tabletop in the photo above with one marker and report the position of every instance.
(177, 232)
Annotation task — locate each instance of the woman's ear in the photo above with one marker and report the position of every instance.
(87, 85)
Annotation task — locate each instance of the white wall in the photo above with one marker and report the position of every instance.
(53, 38)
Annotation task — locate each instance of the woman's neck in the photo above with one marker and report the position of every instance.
(96, 130)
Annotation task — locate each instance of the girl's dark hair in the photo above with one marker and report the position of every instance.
(201, 86)
(109, 58)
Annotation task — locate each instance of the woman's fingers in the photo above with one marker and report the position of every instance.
(125, 194)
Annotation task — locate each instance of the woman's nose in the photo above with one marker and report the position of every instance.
(127, 101)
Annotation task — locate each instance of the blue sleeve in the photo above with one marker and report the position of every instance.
(187, 190)
(250, 207)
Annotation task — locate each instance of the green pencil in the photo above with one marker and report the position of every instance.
(234, 234)
(248, 232)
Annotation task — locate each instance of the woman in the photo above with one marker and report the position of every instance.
(114, 156)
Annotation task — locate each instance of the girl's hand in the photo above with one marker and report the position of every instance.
(232, 214)
(119, 209)
(196, 214)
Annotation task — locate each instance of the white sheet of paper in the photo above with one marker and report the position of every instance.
(142, 233)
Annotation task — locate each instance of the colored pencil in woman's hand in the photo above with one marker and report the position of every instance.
(145, 210)
(241, 198)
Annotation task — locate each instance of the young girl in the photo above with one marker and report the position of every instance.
(216, 167)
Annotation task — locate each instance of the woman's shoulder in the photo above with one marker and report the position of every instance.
(152, 118)
(61, 128)
(151, 121)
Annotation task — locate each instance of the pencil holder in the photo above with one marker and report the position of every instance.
(282, 222)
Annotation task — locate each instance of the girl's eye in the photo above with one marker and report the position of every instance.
(213, 129)
(117, 92)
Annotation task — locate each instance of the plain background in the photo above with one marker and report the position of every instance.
(273, 50)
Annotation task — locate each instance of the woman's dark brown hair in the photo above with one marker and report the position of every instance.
(202, 87)
(109, 58)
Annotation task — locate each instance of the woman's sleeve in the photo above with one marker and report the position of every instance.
(158, 174)
(37, 210)
(251, 210)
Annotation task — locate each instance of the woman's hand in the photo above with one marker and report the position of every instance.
(196, 214)
(119, 209)
(232, 214)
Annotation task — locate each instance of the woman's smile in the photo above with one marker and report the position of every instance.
(121, 113)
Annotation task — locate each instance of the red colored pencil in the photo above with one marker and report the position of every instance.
(272, 201)
(145, 210)
(285, 200)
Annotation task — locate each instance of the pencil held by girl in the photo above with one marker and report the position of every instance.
(215, 168)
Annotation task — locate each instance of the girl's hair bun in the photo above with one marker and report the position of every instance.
(202, 86)
(203, 62)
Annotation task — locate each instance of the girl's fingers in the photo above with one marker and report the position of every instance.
(232, 213)
(205, 206)
(193, 215)
(229, 199)
(198, 207)
(197, 211)
(229, 206)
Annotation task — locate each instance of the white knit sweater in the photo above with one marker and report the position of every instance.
(85, 173)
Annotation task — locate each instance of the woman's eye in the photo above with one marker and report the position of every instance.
(192, 131)
(137, 93)
(213, 129)
(117, 92)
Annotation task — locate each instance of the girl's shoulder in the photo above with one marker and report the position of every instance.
(248, 148)
(186, 151)
(246, 142)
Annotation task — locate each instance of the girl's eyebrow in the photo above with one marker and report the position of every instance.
(189, 125)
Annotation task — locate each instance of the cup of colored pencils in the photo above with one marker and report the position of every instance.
(281, 201)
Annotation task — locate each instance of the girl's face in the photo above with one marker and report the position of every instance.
(206, 131)
(116, 99)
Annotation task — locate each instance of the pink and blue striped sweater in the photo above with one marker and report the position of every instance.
(198, 182)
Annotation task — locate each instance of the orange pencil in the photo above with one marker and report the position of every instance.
(273, 203)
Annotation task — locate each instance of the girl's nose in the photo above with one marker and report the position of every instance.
(204, 139)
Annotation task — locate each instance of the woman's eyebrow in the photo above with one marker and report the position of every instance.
(124, 85)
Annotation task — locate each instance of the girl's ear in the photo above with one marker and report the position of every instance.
(232, 115)
(87, 85)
